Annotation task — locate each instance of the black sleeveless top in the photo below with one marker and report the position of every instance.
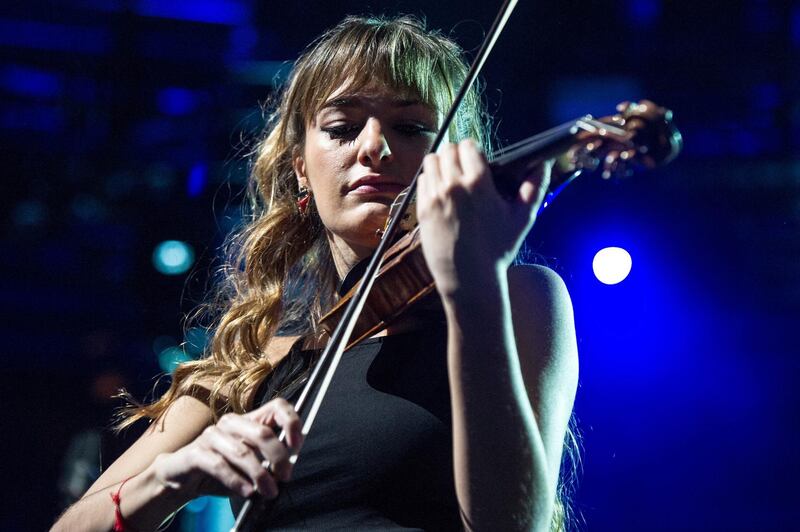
(379, 455)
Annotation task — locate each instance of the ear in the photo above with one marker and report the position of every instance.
(299, 166)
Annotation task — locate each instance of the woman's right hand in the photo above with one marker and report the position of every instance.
(230, 457)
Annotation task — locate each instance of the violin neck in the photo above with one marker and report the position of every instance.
(515, 163)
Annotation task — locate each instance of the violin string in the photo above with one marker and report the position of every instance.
(509, 151)
(534, 143)
(546, 138)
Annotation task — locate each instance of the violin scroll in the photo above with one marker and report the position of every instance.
(640, 134)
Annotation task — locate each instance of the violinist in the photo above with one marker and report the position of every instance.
(450, 418)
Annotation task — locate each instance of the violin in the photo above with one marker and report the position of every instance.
(639, 135)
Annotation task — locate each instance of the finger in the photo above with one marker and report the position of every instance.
(279, 459)
(279, 413)
(261, 438)
(534, 188)
(430, 181)
(610, 164)
(424, 183)
(286, 417)
(220, 471)
(449, 164)
(474, 166)
(244, 458)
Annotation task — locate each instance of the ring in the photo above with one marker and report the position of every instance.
(266, 464)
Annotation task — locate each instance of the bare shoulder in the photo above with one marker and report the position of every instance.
(544, 327)
(540, 285)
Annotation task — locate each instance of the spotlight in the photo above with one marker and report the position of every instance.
(612, 265)
(169, 358)
(173, 257)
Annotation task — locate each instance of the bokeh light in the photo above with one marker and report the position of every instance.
(173, 257)
(612, 265)
(169, 358)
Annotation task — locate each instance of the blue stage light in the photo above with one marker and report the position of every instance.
(169, 358)
(195, 340)
(30, 81)
(173, 257)
(210, 11)
(176, 101)
(643, 12)
(612, 265)
(571, 98)
(196, 182)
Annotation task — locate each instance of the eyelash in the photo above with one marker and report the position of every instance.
(350, 132)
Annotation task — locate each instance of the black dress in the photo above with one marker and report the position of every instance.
(379, 455)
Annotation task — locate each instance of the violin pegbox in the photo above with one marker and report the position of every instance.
(640, 134)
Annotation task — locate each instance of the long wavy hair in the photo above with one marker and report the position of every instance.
(278, 276)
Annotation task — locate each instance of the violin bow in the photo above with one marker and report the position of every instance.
(324, 369)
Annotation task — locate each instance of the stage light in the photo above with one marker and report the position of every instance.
(229, 12)
(196, 181)
(612, 265)
(177, 101)
(30, 81)
(643, 12)
(195, 340)
(173, 257)
(169, 358)
(570, 98)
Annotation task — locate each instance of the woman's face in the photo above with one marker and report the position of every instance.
(361, 149)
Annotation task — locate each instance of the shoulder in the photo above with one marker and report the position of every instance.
(539, 289)
(544, 325)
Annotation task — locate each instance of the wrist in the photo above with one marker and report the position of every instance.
(146, 500)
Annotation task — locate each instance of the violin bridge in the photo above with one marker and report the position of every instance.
(409, 218)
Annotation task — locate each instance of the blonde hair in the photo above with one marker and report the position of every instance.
(279, 273)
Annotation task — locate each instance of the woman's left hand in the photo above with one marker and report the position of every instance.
(467, 229)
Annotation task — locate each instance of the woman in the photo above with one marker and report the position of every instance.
(466, 429)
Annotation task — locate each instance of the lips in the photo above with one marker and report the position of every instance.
(376, 184)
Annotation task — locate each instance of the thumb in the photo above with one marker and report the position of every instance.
(533, 190)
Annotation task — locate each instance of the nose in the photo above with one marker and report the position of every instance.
(374, 148)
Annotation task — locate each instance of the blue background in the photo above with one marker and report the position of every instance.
(126, 123)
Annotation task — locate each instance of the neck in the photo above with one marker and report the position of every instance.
(346, 255)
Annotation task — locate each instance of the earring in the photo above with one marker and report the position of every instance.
(303, 199)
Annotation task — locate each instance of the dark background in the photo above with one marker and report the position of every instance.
(127, 123)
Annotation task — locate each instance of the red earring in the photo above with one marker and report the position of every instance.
(303, 199)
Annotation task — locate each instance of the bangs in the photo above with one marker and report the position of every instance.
(394, 56)
(397, 53)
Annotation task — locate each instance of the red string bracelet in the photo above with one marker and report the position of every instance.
(119, 522)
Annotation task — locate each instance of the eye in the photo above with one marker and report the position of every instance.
(413, 129)
(343, 132)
